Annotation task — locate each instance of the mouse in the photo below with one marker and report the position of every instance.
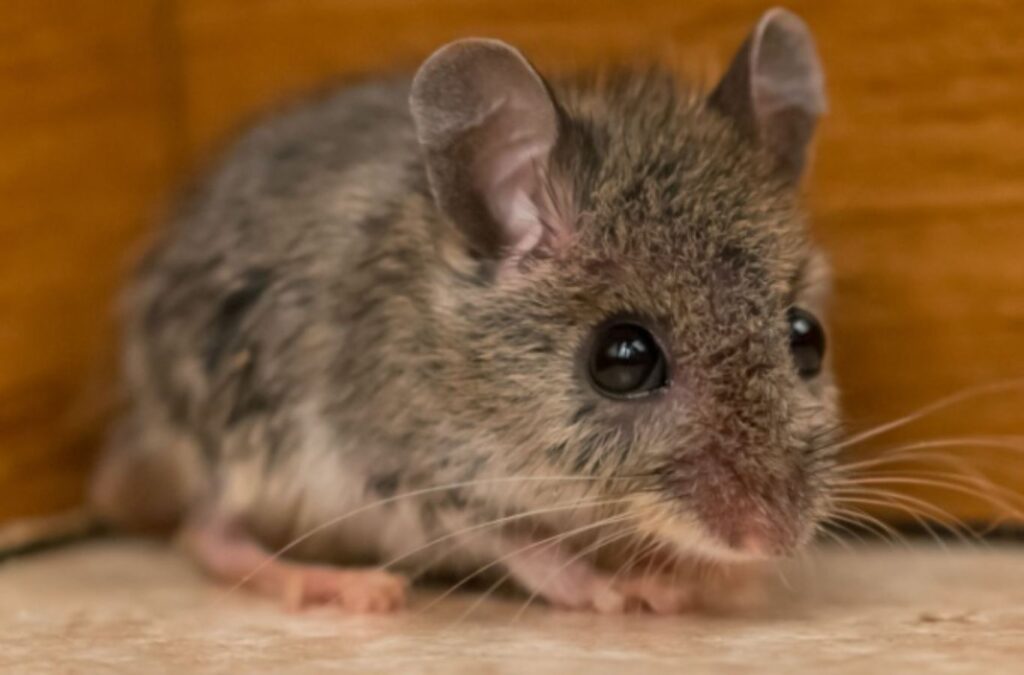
(565, 332)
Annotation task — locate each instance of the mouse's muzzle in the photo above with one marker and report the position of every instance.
(742, 504)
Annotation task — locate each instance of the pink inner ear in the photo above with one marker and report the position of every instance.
(513, 178)
(513, 187)
(488, 125)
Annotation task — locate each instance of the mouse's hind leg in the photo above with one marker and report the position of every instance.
(226, 551)
(149, 474)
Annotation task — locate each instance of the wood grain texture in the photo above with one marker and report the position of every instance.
(82, 130)
(917, 190)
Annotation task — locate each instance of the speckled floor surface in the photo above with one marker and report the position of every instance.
(138, 607)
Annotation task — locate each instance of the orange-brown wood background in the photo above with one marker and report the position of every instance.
(918, 189)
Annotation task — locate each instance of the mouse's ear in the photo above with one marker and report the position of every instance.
(774, 89)
(487, 125)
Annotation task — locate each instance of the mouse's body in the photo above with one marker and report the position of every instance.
(555, 313)
(303, 258)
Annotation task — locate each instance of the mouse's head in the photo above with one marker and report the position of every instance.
(632, 295)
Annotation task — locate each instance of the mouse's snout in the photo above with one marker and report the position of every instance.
(746, 504)
(747, 530)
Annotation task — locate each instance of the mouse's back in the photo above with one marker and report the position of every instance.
(263, 259)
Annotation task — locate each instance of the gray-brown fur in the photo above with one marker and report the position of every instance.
(310, 310)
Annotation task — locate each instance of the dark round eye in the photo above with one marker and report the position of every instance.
(626, 361)
(806, 341)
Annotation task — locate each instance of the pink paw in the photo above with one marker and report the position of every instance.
(227, 551)
(361, 591)
(578, 586)
(607, 595)
(658, 594)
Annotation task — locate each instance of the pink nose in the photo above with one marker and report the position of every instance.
(754, 543)
(758, 518)
(751, 537)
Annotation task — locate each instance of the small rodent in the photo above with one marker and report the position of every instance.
(554, 313)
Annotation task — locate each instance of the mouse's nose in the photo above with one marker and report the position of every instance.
(750, 524)
(755, 541)
(750, 537)
(747, 501)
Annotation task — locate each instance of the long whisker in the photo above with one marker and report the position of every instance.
(938, 480)
(969, 474)
(853, 526)
(892, 455)
(908, 503)
(848, 519)
(869, 501)
(857, 518)
(867, 518)
(969, 480)
(508, 556)
(647, 545)
(575, 504)
(943, 484)
(931, 408)
(497, 584)
(822, 528)
(596, 546)
(390, 500)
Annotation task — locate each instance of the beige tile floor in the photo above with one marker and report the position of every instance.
(138, 607)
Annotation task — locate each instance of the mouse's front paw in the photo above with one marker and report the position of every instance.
(568, 583)
(660, 594)
(609, 595)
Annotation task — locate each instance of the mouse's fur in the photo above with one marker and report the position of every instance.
(311, 334)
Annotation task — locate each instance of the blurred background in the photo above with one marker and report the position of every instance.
(917, 190)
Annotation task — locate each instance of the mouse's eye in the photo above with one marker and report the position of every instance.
(626, 361)
(806, 341)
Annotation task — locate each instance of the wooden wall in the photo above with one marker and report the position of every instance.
(918, 189)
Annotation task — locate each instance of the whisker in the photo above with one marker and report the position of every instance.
(876, 522)
(849, 526)
(970, 475)
(925, 509)
(867, 523)
(969, 480)
(390, 500)
(943, 485)
(575, 504)
(646, 549)
(903, 507)
(892, 455)
(822, 528)
(931, 408)
(640, 546)
(596, 546)
(651, 550)
(781, 574)
(607, 539)
(508, 556)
